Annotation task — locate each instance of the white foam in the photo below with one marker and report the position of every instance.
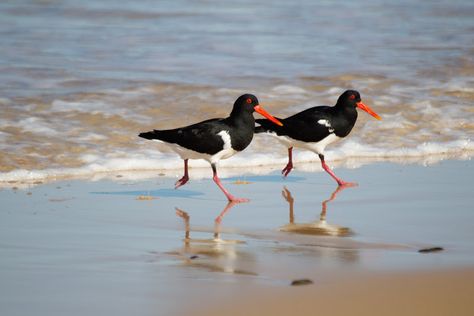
(418, 127)
(5, 101)
(392, 121)
(91, 137)
(425, 108)
(251, 161)
(288, 89)
(334, 91)
(37, 125)
(462, 84)
(3, 137)
(84, 106)
(355, 149)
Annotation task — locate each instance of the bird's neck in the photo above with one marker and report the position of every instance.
(241, 118)
(345, 118)
(348, 112)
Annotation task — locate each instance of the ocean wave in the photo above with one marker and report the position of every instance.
(86, 134)
(350, 154)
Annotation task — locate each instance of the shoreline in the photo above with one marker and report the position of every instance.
(200, 168)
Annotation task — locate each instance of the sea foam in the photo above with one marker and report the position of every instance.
(350, 154)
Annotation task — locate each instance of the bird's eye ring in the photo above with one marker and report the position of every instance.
(249, 101)
(352, 97)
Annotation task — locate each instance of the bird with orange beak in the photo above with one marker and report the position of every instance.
(214, 139)
(317, 127)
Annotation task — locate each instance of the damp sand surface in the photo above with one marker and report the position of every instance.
(121, 246)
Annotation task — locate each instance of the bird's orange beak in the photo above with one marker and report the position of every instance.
(367, 109)
(261, 111)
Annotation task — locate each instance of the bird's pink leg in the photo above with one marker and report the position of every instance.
(229, 196)
(185, 178)
(339, 181)
(289, 165)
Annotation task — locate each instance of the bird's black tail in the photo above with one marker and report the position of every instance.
(166, 135)
(150, 135)
(266, 126)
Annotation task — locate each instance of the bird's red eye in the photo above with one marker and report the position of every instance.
(352, 97)
(249, 101)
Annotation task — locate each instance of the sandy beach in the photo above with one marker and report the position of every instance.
(447, 292)
(118, 246)
(90, 222)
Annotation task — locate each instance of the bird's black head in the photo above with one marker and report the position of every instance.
(246, 102)
(249, 103)
(351, 98)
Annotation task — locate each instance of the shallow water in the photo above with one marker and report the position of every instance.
(95, 247)
(78, 81)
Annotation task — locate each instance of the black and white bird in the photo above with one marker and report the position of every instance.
(214, 139)
(317, 127)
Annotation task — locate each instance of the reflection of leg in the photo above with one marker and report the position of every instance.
(185, 178)
(287, 196)
(289, 165)
(331, 198)
(185, 216)
(229, 196)
(339, 181)
(219, 218)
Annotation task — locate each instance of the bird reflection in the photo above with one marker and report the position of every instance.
(215, 253)
(319, 227)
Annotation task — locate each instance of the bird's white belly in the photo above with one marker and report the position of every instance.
(185, 153)
(317, 147)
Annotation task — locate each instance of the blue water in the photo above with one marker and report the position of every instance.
(224, 43)
(66, 67)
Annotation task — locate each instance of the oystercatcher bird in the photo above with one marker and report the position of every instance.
(317, 127)
(214, 139)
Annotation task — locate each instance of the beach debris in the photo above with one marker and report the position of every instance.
(194, 257)
(241, 182)
(60, 199)
(146, 198)
(171, 253)
(301, 282)
(431, 249)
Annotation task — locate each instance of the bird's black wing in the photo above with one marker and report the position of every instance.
(201, 137)
(310, 125)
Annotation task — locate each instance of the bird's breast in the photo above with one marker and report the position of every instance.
(240, 138)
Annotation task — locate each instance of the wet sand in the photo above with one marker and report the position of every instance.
(126, 246)
(423, 293)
